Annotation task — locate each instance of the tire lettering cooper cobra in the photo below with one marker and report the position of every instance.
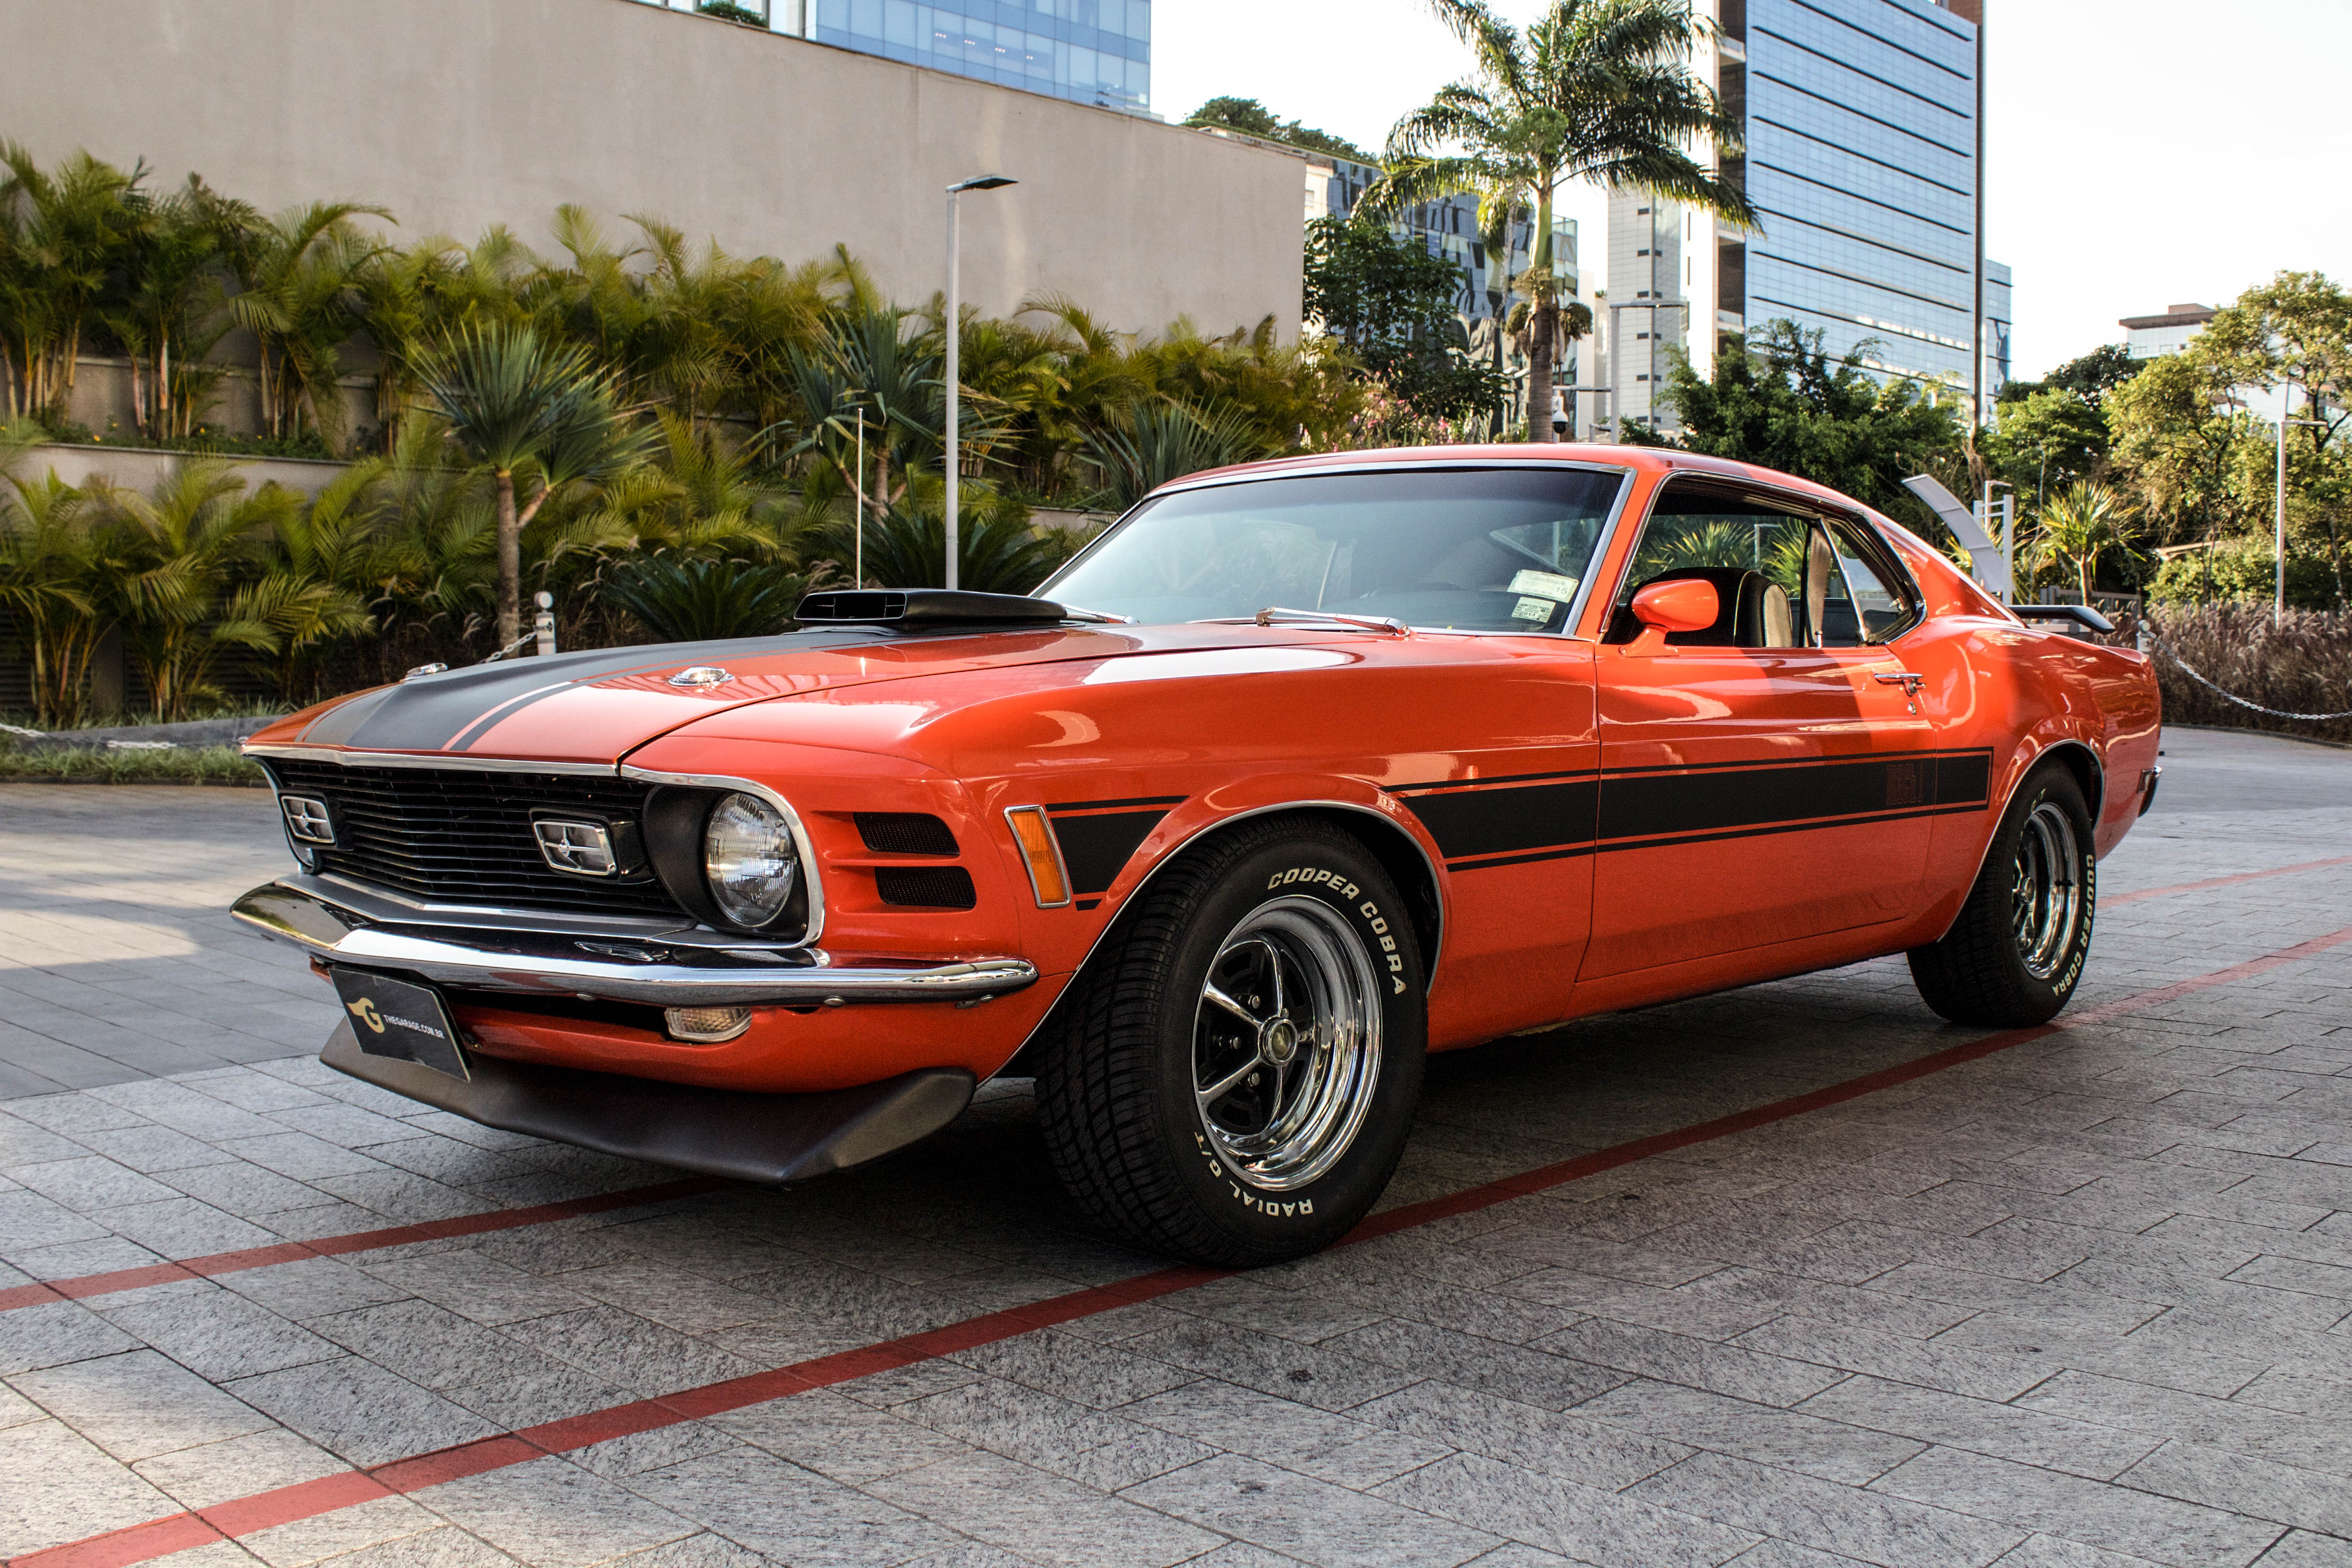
(1315, 876)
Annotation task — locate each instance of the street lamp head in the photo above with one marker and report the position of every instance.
(983, 183)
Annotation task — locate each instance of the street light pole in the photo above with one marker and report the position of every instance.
(955, 356)
(2286, 399)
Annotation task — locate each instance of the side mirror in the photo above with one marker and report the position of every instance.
(1686, 605)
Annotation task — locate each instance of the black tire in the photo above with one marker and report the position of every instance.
(1116, 1087)
(2006, 963)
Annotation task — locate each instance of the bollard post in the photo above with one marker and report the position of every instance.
(543, 625)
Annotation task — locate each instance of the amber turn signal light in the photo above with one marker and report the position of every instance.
(1041, 853)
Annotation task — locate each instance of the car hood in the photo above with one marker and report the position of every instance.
(596, 708)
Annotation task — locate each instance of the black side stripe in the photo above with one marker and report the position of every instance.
(1095, 846)
(1098, 837)
(1504, 822)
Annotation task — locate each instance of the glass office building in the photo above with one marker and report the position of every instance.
(1089, 51)
(1860, 159)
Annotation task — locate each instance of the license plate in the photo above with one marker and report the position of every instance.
(398, 1018)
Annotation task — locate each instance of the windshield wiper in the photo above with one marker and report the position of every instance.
(1277, 613)
(1072, 613)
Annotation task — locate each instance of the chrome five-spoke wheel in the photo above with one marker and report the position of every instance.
(1232, 1081)
(2046, 891)
(1286, 1043)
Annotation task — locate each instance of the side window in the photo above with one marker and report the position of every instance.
(1866, 600)
(1753, 551)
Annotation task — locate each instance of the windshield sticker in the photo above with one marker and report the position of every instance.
(1552, 585)
(1535, 610)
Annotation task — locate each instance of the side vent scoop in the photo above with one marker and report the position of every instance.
(923, 609)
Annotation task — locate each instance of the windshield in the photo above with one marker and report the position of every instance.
(1465, 549)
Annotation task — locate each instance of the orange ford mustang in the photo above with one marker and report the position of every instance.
(1300, 772)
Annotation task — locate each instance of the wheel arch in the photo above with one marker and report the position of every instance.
(2081, 762)
(1404, 858)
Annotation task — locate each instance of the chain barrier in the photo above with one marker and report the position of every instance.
(2187, 670)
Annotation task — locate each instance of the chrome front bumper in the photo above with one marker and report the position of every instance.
(603, 960)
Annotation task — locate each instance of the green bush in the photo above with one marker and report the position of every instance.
(2245, 568)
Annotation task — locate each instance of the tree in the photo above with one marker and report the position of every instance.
(1152, 444)
(62, 234)
(1594, 90)
(2078, 526)
(166, 310)
(516, 404)
(181, 546)
(2187, 449)
(2296, 330)
(1782, 402)
(1251, 118)
(2048, 440)
(2089, 378)
(1395, 306)
(299, 295)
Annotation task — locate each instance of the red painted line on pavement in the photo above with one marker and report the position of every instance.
(84, 1286)
(81, 1286)
(2225, 881)
(308, 1500)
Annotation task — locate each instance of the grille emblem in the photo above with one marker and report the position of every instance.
(701, 675)
(582, 848)
(307, 818)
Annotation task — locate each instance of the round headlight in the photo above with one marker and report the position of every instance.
(749, 860)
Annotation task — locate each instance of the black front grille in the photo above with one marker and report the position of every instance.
(463, 836)
(905, 833)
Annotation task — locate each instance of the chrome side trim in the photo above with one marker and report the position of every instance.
(667, 974)
(453, 762)
(813, 878)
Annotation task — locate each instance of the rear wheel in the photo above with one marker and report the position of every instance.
(1234, 1083)
(2015, 954)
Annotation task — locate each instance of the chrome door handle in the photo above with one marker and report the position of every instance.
(1909, 682)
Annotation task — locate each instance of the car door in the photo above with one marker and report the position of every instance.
(1767, 779)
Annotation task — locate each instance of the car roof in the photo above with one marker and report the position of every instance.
(1641, 459)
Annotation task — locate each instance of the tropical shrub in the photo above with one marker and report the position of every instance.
(2300, 664)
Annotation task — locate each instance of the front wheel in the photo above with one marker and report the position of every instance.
(2014, 955)
(1234, 1082)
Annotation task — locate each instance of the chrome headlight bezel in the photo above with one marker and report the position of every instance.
(750, 860)
(675, 822)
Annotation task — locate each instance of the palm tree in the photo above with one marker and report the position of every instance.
(299, 294)
(181, 545)
(2080, 524)
(1593, 91)
(167, 308)
(53, 569)
(62, 233)
(517, 403)
(1154, 442)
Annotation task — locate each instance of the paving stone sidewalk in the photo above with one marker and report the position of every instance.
(2084, 1303)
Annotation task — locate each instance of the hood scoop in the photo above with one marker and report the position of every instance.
(924, 609)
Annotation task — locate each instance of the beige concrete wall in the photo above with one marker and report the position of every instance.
(457, 114)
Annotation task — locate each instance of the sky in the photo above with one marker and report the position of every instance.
(2143, 152)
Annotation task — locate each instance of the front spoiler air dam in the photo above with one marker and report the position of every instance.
(771, 1138)
(677, 974)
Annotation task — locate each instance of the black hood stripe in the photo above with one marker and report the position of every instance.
(435, 712)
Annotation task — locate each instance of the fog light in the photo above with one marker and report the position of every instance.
(707, 1025)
